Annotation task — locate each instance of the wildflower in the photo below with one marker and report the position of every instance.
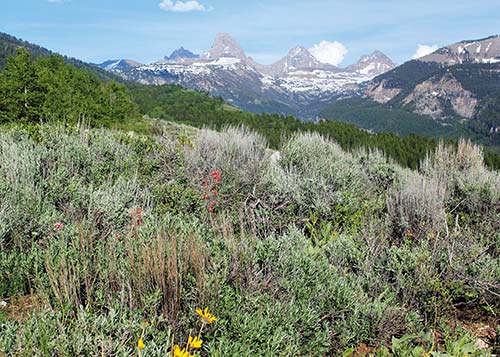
(136, 216)
(206, 196)
(206, 315)
(181, 353)
(214, 192)
(215, 176)
(194, 342)
(140, 343)
(58, 226)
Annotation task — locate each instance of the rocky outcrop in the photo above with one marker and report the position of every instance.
(432, 96)
(381, 91)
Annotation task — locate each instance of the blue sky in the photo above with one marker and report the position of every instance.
(96, 30)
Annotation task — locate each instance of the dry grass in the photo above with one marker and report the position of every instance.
(139, 271)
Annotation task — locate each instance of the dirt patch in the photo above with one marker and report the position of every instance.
(481, 325)
(19, 308)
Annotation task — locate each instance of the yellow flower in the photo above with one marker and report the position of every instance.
(140, 343)
(194, 342)
(206, 315)
(181, 353)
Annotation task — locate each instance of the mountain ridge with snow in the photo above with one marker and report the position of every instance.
(297, 84)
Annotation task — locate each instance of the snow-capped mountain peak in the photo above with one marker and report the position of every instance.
(298, 59)
(372, 65)
(119, 64)
(225, 46)
(302, 57)
(298, 83)
(486, 50)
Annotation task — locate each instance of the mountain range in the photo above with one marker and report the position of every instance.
(456, 86)
(297, 84)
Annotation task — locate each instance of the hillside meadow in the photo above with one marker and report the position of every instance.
(114, 243)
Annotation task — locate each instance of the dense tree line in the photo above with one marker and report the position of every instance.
(48, 89)
(371, 115)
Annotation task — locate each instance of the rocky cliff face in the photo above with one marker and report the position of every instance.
(434, 95)
(451, 82)
(381, 91)
(225, 46)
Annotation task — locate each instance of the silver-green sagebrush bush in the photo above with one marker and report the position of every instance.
(416, 206)
(316, 174)
(238, 153)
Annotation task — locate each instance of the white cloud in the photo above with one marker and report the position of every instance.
(181, 6)
(329, 52)
(424, 50)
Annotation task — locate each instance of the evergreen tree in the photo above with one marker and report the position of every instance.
(21, 91)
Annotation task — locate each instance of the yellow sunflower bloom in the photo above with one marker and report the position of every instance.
(178, 352)
(206, 315)
(194, 342)
(140, 343)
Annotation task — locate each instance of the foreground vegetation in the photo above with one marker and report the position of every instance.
(311, 252)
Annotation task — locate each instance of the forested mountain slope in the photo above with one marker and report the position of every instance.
(9, 45)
